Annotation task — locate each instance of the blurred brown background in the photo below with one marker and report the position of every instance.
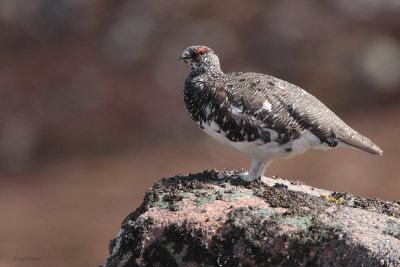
(92, 114)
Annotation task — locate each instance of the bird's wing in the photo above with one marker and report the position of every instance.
(286, 108)
(245, 114)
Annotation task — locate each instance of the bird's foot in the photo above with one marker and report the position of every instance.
(245, 177)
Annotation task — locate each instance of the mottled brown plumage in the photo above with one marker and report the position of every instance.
(260, 115)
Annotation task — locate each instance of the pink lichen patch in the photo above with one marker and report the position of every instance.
(207, 216)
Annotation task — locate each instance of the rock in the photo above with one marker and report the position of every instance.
(211, 219)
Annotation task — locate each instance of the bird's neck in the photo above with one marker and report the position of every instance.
(200, 70)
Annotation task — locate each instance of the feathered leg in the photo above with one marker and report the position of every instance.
(257, 170)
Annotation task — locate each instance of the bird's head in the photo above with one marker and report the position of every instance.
(201, 59)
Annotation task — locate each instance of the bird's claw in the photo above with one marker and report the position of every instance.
(245, 177)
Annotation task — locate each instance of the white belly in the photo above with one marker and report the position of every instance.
(264, 152)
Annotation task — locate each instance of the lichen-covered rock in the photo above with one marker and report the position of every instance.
(211, 219)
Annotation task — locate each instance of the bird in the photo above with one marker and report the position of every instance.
(259, 115)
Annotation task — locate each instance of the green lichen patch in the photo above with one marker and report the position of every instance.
(337, 225)
(238, 193)
(299, 221)
(205, 197)
(265, 212)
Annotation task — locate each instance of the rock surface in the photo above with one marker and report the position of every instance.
(211, 219)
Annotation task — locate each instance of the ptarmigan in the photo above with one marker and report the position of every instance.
(260, 115)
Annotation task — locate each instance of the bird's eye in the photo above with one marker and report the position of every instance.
(201, 51)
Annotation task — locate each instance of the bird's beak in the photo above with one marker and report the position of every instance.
(185, 55)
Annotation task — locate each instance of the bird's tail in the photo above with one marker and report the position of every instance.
(361, 142)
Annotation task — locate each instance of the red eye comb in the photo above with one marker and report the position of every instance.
(201, 49)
